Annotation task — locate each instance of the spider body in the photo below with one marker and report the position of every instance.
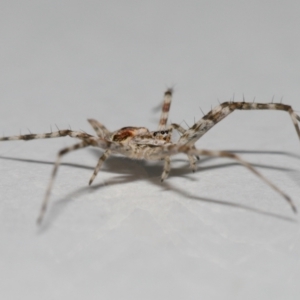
(141, 136)
(141, 143)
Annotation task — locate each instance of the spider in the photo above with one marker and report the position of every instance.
(142, 144)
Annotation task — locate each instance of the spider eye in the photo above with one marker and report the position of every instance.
(162, 132)
(155, 133)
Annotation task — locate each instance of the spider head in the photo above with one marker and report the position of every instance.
(162, 135)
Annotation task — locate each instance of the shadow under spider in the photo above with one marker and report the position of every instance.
(120, 165)
(57, 208)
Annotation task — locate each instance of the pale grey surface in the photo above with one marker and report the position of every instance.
(217, 234)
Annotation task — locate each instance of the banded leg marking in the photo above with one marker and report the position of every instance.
(99, 128)
(56, 134)
(101, 160)
(217, 114)
(165, 109)
(192, 159)
(54, 172)
(162, 125)
(166, 170)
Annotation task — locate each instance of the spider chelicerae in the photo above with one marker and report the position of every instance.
(140, 143)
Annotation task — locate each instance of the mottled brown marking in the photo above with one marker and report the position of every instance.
(225, 104)
(236, 105)
(281, 106)
(29, 137)
(213, 116)
(194, 127)
(169, 92)
(63, 151)
(123, 134)
(166, 107)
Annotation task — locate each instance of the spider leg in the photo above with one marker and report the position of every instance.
(165, 109)
(100, 129)
(60, 133)
(101, 160)
(179, 128)
(217, 114)
(192, 159)
(162, 125)
(64, 151)
(172, 150)
(167, 168)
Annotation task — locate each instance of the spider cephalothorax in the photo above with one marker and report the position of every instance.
(141, 135)
(140, 143)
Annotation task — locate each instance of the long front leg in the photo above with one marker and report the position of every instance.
(50, 135)
(223, 110)
(54, 172)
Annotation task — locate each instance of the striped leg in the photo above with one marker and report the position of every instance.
(167, 168)
(162, 125)
(56, 134)
(165, 110)
(100, 129)
(192, 159)
(101, 160)
(54, 172)
(179, 128)
(223, 110)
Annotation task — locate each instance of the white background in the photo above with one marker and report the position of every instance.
(220, 233)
